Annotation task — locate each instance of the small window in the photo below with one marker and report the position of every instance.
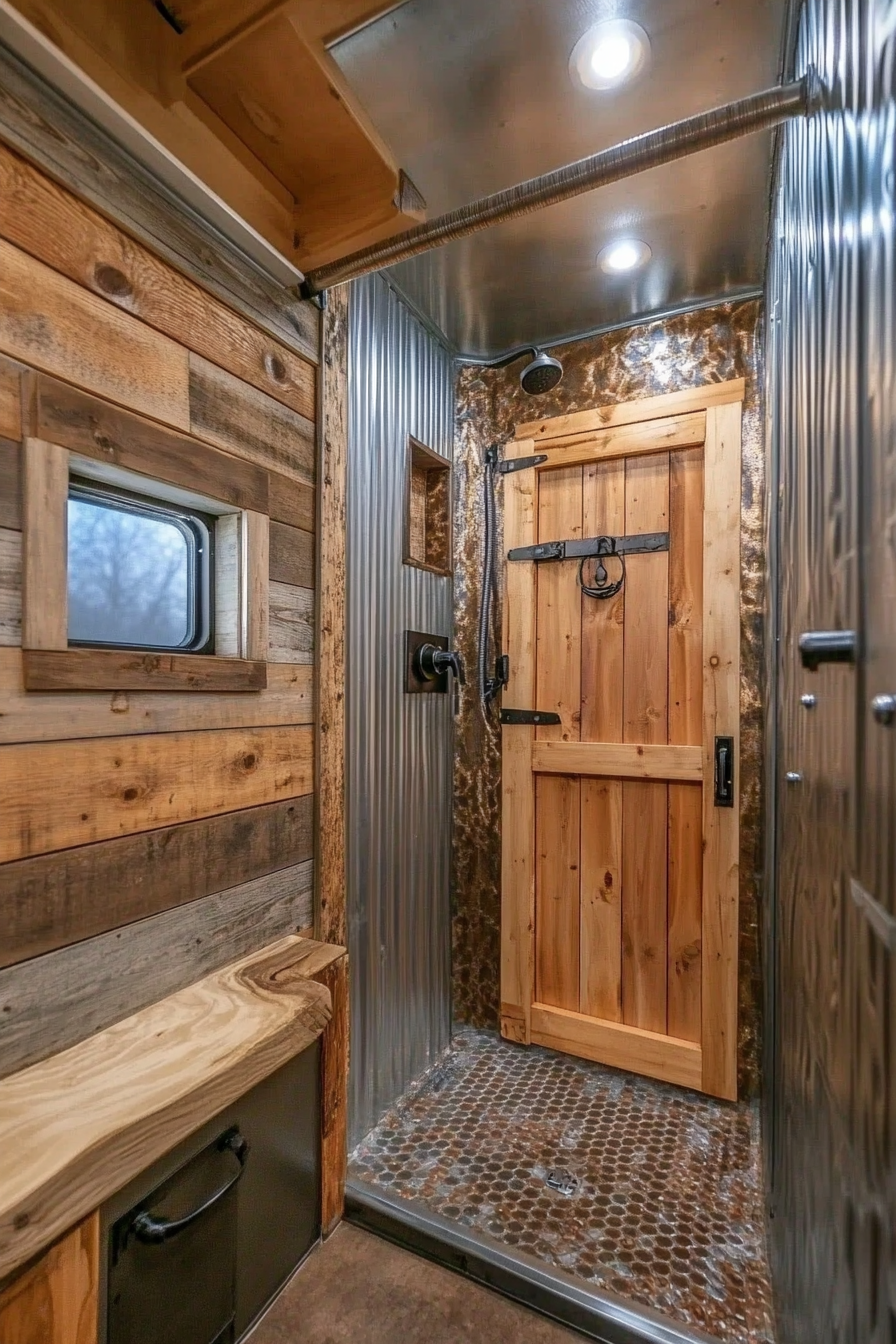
(139, 572)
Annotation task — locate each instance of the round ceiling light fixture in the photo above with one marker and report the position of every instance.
(626, 254)
(609, 54)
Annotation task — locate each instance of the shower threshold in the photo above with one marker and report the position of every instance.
(627, 1209)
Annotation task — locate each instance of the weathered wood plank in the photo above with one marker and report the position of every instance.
(10, 398)
(291, 624)
(56, 1301)
(10, 484)
(292, 555)
(10, 587)
(56, 227)
(85, 1122)
(291, 502)
(58, 795)
(97, 429)
(238, 418)
(50, 901)
(50, 322)
(51, 1002)
(75, 152)
(287, 699)
(130, 670)
(44, 545)
(331, 619)
(257, 568)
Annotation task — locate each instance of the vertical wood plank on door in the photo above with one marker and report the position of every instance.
(600, 984)
(685, 727)
(559, 651)
(517, 780)
(721, 715)
(557, 831)
(645, 719)
(558, 799)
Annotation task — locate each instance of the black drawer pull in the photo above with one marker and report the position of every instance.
(147, 1228)
(827, 646)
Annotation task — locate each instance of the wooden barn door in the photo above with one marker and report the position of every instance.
(620, 869)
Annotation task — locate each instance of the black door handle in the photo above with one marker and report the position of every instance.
(827, 646)
(147, 1228)
(724, 772)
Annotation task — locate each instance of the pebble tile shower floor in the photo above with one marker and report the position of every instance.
(667, 1208)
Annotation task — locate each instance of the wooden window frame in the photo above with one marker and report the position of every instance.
(241, 589)
(426, 459)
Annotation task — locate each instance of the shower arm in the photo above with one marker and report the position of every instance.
(758, 112)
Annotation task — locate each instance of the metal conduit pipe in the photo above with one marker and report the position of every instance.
(759, 112)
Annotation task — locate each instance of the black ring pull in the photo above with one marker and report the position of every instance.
(147, 1228)
(602, 589)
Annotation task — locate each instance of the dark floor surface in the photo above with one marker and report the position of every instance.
(358, 1289)
(663, 1204)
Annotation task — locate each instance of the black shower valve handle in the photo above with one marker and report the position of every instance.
(433, 663)
(452, 659)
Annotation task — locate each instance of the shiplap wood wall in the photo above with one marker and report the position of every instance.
(146, 838)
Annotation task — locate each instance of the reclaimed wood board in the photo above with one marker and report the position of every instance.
(10, 587)
(50, 901)
(51, 1002)
(119, 786)
(290, 624)
(287, 699)
(238, 418)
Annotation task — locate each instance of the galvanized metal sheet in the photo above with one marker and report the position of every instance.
(474, 97)
(399, 747)
(832, 417)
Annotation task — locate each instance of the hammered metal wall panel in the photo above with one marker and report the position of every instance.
(685, 351)
(398, 746)
(832, 332)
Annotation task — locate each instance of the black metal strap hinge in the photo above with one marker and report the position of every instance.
(584, 547)
(521, 463)
(529, 717)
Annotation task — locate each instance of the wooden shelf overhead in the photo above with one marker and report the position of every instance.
(247, 96)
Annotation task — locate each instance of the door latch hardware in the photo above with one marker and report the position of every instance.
(529, 717)
(521, 463)
(724, 772)
(494, 685)
(883, 707)
(808, 701)
(793, 777)
(581, 548)
(827, 646)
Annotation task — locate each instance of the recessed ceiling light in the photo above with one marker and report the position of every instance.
(626, 254)
(609, 54)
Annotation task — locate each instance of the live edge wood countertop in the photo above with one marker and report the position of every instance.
(78, 1126)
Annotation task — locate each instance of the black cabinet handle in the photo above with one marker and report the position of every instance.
(827, 646)
(724, 772)
(147, 1228)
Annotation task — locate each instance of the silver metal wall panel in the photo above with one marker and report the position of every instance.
(399, 747)
(832, 411)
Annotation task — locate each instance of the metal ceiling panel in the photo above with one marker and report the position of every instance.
(475, 95)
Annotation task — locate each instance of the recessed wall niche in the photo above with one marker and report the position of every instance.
(427, 532)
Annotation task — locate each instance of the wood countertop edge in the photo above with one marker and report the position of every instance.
(71, 1131)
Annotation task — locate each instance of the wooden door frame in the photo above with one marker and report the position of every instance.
(711, 1066)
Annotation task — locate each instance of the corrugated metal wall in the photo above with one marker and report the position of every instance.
(832, 421)
(399, 747)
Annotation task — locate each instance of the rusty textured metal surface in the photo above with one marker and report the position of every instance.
(398, 746)
(664, 1206)
(709, 345)
(831, 1093)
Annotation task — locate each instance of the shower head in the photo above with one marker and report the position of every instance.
(541, 375)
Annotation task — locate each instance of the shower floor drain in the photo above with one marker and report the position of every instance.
(562, 1181)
